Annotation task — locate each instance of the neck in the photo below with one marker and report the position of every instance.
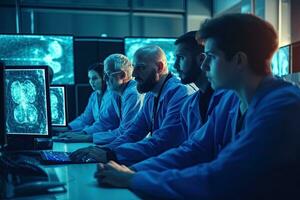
(159, 85)
(247, 91)
(202, 83)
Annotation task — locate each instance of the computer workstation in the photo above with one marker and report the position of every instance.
(21, 170)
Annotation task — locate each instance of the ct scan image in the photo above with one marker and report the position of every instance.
(35, 50)
(25, 101)
(58, 106)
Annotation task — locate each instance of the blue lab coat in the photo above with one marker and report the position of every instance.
(261, 161)
(167, 132)
(104, 112)
(131, 102)
(190, 117)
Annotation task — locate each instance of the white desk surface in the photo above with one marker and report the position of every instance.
(80, 181)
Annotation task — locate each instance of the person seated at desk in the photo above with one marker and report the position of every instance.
(118, 75)
(160, 115)
(99, 110)
(250, 146)
(198, 106)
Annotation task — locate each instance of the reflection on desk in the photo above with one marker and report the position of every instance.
(79, 179)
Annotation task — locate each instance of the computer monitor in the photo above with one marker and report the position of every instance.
(34, 50)
(27, 102)
(131, 44)
(2, 126)
(281, 61)
(58, 104)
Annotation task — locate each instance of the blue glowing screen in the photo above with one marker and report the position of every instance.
(167, 44)
(25, 102)
(58, 106)
(281, 61)
(53, 51)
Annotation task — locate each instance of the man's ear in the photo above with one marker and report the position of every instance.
(240, 59)
(160, 67)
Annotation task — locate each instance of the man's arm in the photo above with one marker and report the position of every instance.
(108, 117)
(138, 129)
(267, 147)
(130, 108)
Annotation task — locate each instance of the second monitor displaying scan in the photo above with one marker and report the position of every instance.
(58, 105)
(26, 101)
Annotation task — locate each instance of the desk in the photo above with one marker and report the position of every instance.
(80, 182)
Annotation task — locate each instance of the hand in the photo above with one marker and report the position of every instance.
(91, 153)
(114, 174)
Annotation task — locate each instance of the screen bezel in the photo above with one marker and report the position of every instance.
(65, 102)
(2, 118)
(55, 35)
(22, 135)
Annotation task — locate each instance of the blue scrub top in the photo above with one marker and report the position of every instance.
(219, 162)
(167, 132)
(99, 110)
(128, 106)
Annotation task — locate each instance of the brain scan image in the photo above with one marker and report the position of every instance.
(26, 103)
(281, 61)
(58, 106)
(53, 51)
(167, 44)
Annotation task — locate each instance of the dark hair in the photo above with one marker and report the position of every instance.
(189, 39)
(99, 68)
(243, 32)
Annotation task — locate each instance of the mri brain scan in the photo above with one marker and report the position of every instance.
(53, 51)
(26, 103)
(58, 106)
(167, 44)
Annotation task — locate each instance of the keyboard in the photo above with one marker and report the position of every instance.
(58, 157)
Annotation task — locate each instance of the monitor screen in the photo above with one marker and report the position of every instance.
(281, 61)
(167, 44)
(26, 101)
(2, 126)
(54, 51)
(58, 105)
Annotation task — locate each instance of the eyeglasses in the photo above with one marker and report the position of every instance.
(109, 75)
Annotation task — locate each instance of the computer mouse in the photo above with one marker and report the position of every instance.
(38, 187)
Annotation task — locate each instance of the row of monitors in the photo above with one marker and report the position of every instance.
(28, 100)
(58, 53)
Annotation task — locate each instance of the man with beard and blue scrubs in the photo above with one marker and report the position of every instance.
(250, 146)
(159, 118)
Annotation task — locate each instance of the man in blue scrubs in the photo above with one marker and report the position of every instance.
(250, 146)
(118, 75)
(159, 117)
(198, 106)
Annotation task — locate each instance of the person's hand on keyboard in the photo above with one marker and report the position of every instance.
(92, 152)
